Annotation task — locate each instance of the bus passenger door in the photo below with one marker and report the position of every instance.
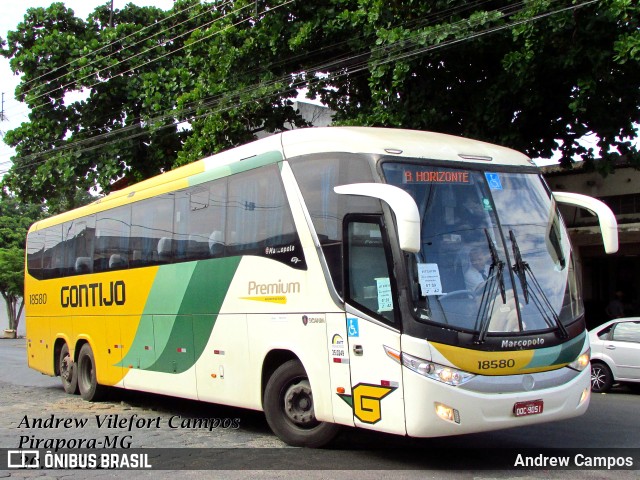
(373, 335)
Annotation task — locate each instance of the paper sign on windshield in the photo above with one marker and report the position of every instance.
(429, 278)
(385, 302)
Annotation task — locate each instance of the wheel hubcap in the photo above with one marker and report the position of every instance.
(597, 378)
(298, 404)
(66, 367)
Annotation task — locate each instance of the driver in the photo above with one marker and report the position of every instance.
(476, 272)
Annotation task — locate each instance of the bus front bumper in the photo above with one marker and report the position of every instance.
(436, 409)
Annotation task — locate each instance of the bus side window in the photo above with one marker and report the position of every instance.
(367, 269)
(53, 252)
(35, 250)
(152, 231)
(258, 214)
(200, 214)
(79, 239)
(112, 239)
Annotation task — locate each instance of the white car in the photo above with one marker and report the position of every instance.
(615, 353)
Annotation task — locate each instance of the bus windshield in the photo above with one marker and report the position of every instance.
(495, 257)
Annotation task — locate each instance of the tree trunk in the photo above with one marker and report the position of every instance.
(11, 301)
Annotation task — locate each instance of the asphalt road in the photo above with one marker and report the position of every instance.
(246, 446)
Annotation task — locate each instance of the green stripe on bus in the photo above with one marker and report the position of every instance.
(242, 166)
(180, 329)
(558, 355)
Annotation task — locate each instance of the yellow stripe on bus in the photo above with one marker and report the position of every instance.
(490, 363)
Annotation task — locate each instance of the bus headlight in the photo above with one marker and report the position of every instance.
(435, 371)
(582, 361)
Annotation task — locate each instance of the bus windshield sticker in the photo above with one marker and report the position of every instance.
(430, 176)
(429, 278)
(494, 180)
(385, 302)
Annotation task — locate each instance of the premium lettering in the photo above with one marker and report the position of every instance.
(93, 295)
(277, 288)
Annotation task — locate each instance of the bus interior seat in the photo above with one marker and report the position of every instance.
(117, 261)
(216, 243)
(83, 265)
(197, 246)
(165, 246)
(136, 257)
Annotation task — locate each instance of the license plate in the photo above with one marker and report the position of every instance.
(532, 407)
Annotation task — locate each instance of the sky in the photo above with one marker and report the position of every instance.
(11, 14)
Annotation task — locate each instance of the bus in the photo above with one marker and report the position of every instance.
(324, 276)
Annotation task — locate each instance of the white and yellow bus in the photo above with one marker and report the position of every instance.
(399, 281)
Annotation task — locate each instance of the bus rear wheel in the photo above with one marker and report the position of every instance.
(88, 385)
(288, 406)
(68, 371)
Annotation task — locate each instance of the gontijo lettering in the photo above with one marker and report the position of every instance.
(93, 294)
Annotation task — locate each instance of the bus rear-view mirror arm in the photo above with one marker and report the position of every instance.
(402, 204)
(606, 218)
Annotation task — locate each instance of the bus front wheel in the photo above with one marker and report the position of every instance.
(288, 406)
(88, 385)
(68, 370)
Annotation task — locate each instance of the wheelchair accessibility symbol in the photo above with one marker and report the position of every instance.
(494, 181)
(352, 327)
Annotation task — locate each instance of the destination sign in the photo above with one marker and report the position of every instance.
(431, 176)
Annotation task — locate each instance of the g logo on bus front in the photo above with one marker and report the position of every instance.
(365, 400)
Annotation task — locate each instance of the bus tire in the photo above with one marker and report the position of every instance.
(68, 370)
(88, 385)
(601, 377)
(288, 406)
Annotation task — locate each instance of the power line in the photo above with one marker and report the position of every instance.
(93, 52)
(442, 14)
(353, 68)
(96, 73)
(366, 54)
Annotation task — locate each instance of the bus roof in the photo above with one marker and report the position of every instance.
(406, 143)
(294, 143)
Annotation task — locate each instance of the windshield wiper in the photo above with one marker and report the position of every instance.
(540, 299)
(495, 281)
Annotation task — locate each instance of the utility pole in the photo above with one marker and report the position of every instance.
(2, 117)
(111, 15)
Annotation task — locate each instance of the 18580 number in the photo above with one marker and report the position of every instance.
(37, 299)
(493, 364)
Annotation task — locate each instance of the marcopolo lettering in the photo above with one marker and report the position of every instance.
(93, 295)
(529, 342)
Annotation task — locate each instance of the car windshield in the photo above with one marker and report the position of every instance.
(494, 254)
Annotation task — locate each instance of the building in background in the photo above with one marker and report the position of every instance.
(604, 275)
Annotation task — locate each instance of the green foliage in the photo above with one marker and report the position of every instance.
(531, 75)
(12, 283)
(15, 220)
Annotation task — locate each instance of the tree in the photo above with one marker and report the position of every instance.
(535, 76)
(136, 82)
(12, 283)
(15, 219)
(532, 77)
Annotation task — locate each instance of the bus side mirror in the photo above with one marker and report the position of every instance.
(606, 218)
(402, 204)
